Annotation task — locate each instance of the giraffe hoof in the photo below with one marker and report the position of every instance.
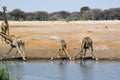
(25, 59)
(83, 59)
(51, 59)
(97, 59)
(70, 59)
(73, 58)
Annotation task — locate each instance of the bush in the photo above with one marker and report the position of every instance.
(4, 75)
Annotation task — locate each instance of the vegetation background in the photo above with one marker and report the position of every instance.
(85, 13)
(3, 74)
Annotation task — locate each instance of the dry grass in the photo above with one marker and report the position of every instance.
(42, 38)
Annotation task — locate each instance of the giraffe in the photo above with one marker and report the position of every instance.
(15, 42)
(62, 48)
(87, 43)
(5, 25)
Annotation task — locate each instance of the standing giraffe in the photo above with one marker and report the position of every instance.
(86, 44)
(15, 42)
(5, 25)
(62, 48)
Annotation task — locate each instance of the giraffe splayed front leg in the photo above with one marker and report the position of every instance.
(62, 48)
(19, 51)
(86, 44)
(15, 42)
(6, 53)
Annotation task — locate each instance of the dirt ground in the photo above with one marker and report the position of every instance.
(42, 39)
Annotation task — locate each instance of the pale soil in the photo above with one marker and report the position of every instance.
(42, 38)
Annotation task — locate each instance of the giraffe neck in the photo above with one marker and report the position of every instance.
(82, 45)
(4, 14)
(5, 36)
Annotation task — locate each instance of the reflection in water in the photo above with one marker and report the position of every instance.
(15, 69)
(62, 70)
(86, 71)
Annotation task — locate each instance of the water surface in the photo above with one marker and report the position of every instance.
(62, 70)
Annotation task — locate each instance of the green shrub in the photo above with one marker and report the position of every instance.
(4, 75)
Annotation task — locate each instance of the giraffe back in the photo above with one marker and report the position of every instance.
(63, 45)
(86, 43)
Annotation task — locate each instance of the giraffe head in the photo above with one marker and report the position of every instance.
(62, 41)
(4, 8)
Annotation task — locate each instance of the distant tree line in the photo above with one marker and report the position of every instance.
(85, 13)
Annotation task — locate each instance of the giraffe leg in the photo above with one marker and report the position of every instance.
(23, 49)
(55, 54)
(23, 53)
(77, 54)
(8, 30)
(20, 52)
(93, 56)
(15, 54)
(5, 34)
(67, 54)
(84, 53)
(6, 53)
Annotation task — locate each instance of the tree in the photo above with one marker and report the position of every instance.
(61, 15)
(30, 16)
(96, 14)
(113, 13)
(74, 16)
(87, 15)
(83, 9)
(41, 16)
(17, 14)
(54, 16)
(64, 14)
(1, 15)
